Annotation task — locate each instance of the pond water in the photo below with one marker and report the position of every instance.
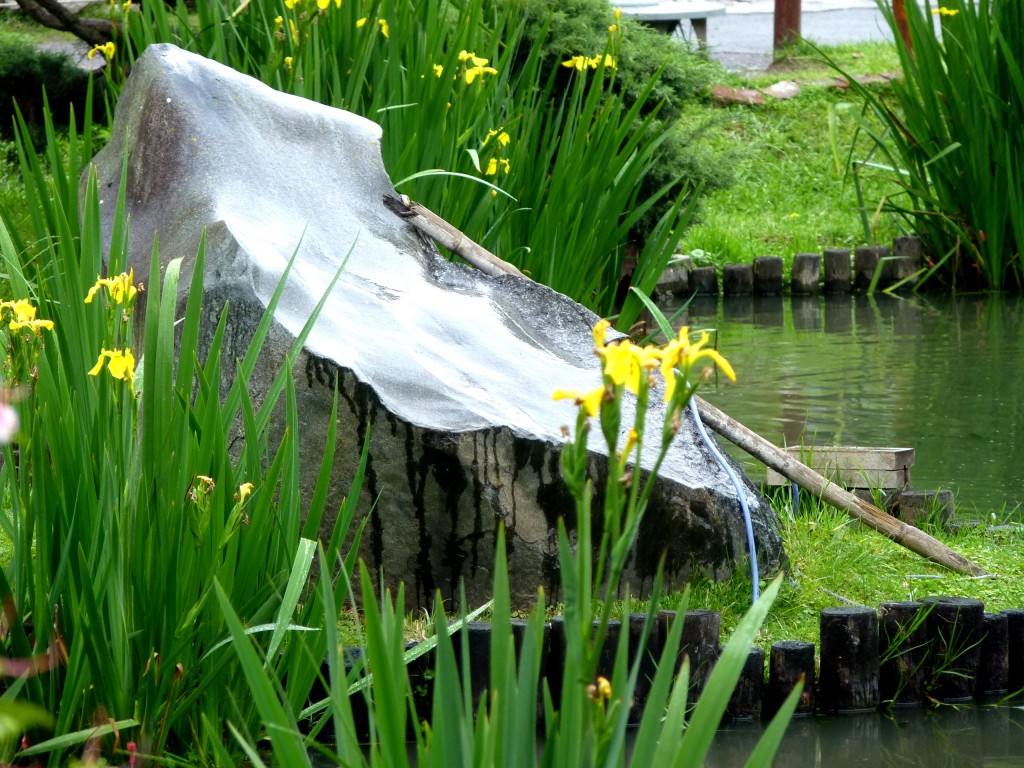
(948, 737)
(941, 375)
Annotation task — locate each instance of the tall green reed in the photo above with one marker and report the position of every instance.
(541, 165)
(132, 523)
(954, 140)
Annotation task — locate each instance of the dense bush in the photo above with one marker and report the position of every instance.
(663, 71)
(564, 27)
(26, 71)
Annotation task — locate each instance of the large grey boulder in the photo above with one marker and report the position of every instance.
(452, 370)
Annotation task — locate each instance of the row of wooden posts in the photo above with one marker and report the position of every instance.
(835, 271)
(940, 649)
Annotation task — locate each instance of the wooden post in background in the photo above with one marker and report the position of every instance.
(787, 23)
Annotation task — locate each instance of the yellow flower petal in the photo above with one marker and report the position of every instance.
(600, 329)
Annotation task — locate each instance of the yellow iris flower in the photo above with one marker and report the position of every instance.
(680, 352)
(629, 365)
(591, 401)
(107, 49)
(25, 316)
(121, 289)
(120, 364)
(473, 72)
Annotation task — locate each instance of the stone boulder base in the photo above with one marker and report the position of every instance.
(450, 370)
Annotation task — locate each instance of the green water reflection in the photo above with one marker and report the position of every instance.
(970, 737)
(944, 376)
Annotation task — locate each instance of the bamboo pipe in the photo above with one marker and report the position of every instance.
(908, 536)
(905, 535)
(432, 225)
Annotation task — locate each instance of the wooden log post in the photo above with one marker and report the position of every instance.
(786, 23)
(955, 628)
(838, 275)
(903, 651)
(745, 702)
(1015, 648)
(789, 662)
(650, 653)
(806, 274)
(865, 261)
(737, 280)
(704, 281)
(768, 276)
(912, 538)
(993, 675)
(699, 643)
(849, 660)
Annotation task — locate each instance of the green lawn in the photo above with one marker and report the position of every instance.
(791, 192)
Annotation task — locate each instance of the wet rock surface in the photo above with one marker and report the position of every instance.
(451, 371)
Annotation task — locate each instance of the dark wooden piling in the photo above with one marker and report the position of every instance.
(737, 280)
(909, 245)
(903, 651)
(806, 274)
(866, 260)
(955, 627)
(704, 281)
(745, 702)
(768, 276)
(789, 662)
(919, 507)
(650, 655)
(1015, 648)
(556, 656)
(674, 283)
(993, 674)
(699, 643)
(838, 275)
(848, 681)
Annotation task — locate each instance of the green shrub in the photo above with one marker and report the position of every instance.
(563, 28)
(26, 71)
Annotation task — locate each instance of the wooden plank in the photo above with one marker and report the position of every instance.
(855, 466)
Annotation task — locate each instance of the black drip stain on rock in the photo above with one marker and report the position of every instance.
(416, 475)
(440, 454)
(363, 403)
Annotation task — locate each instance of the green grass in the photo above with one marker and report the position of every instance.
(791, 192)
(831, 555)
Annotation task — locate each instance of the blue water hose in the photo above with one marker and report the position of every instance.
(739, 493)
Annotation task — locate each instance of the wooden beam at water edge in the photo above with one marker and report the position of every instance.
(908, 536)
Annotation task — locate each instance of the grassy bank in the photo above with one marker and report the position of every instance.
(791, 192)
(835, 560)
